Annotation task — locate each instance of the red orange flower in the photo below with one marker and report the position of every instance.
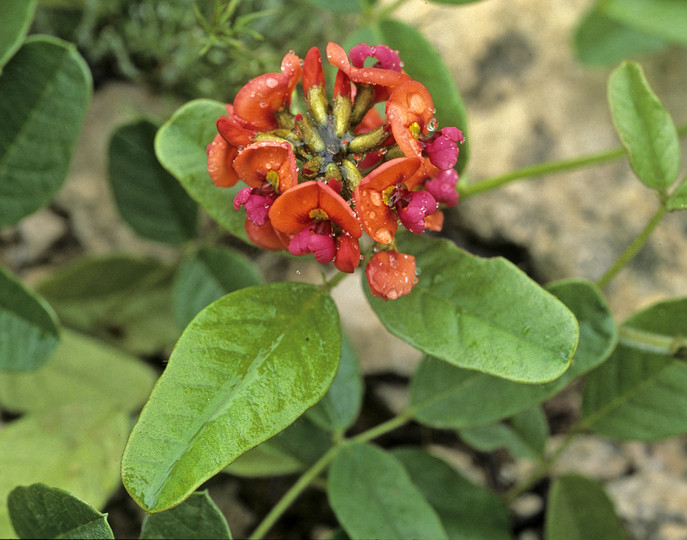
(319, 178)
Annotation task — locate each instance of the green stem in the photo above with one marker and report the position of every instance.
(633, 248)
(551, 167)
(539, 169)
(544, 468)
(303, 482)
(675, 346)
(310, 476)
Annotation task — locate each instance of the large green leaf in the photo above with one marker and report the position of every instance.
(147, 196)
(81, 370)
(40, 511)
(598, 39)
(289, 451)
(481, 314)
(423, 63)
(664, 18)
(641, 391)
(45, 89)
(579, 509)
(75, 447)
(245, 368)
(196, 518)
(467, 511)
(180, 146)
(340, 406)
(645, 128)
(207, 276)
(445, 396)
(373, 497)
(28, 327)
(524, 436)
(118, 298)
(15, 20)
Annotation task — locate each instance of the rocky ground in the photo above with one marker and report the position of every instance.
(529, 100)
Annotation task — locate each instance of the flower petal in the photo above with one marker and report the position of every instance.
(266, 236)
(410, 106)
(391, 274)
(255, 162)
(292, 211)
(313, 74)
(261, 97)
(221, 155)
(235, 131)
(338, 58)
(347, 253)
(378, 220)
(291, 69)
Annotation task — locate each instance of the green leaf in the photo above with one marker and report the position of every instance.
(678, 200)
(290, 451)
(457, 2)
(207, 276)
(245, 368)
(180, 146)
(117, 298)
(76, 447)
(481, 314)
(423, 63)
(150, 199)
(600, 40)
(28, 327)
(196, 518)
(81, 370)
(666, 19)
(467, 511)
(445, 396)
(373, 496)
(644, 126)
(641, 391)
(14, 25)
(39, 511)
(340, 406)
(45, 89)
(525, 436)
(579, 509)
(338, 6)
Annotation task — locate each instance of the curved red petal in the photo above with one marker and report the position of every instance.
(426, 171)
(347, 253)
(378, 220)
(255, 161)
(234, 131)
(221, 155)
(291, 212)
(391, 274)
(342, 85)
(260, 98)
(410, 103)
(291, 69)
(338, 58)
(379, 77)
(266, 236)
(313, 74)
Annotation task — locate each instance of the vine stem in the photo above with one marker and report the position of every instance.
(550, 167)
(310, 475)
(539, 169)
(633, 248)
(294, 491)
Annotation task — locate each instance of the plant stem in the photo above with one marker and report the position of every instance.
(310, 475)
(294, 491)
(633, 248)
(538, 170)
(548, 168)
(544, 467)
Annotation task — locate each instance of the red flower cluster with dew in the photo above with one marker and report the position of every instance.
(317, 179)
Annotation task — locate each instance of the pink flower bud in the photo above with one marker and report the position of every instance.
(443, 187)
(420, 206)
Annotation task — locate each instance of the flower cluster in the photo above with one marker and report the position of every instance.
(317, 179)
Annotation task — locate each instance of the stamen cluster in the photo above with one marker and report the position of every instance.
(318, 177)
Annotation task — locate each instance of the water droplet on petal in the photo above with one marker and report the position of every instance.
(383, 235)
(392, 294)
(272, 82)
(372, 215)
(376, 198)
